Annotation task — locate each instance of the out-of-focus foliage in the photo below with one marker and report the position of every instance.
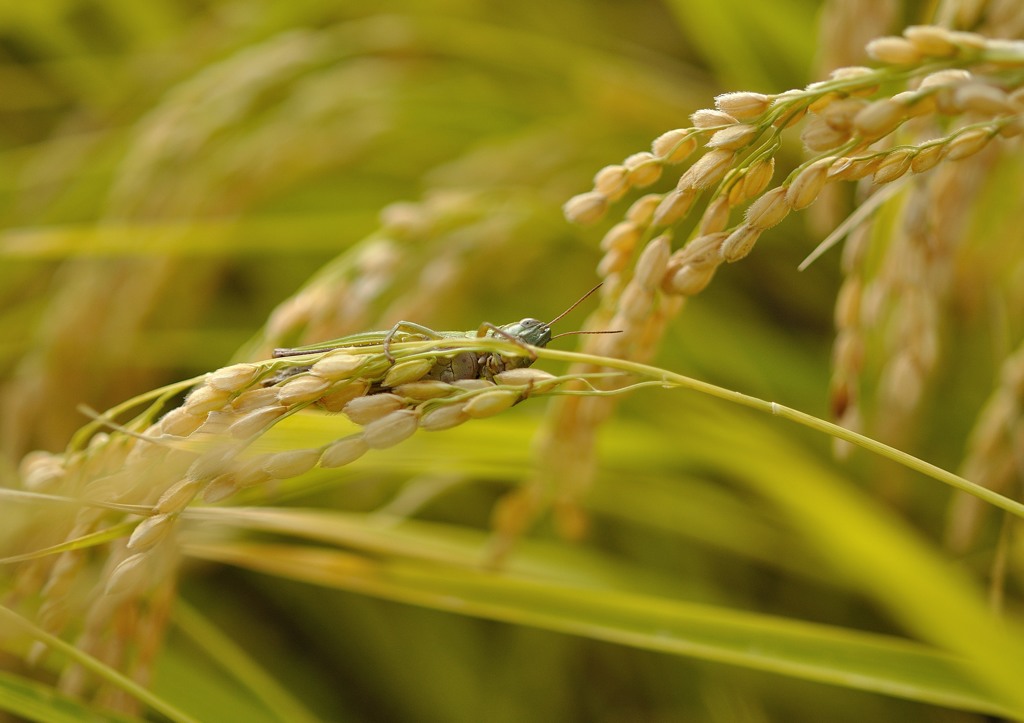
(172, 173)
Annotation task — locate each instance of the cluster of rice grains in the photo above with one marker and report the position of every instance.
(852, 135)
(204, 449)
(935, 96)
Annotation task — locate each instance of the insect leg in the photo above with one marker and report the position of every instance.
(502, 334)
(409, 327)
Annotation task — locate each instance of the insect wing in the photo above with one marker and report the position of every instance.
(366, 338)
(362, 339)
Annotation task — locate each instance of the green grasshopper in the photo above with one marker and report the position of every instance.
(525, 333)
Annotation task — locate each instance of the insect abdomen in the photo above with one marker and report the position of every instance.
(463, 365)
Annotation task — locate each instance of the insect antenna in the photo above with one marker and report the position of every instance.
(577, 303)
(573, 333)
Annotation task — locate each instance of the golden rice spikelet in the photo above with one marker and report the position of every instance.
(819, 136)
(674, 146)
(232, 378)
(586, 208)
(217, 422)
(902, 381)
(214, 461)
(948, 77)
(614, 261)
(689, 280)
(790, 117)
(151, 531)
(982, 98)
(56, 580)
(363, 410)
(336, 399)
(673, 207)
(879, 118)
(178, 495)
(443, 417)
(612, 182)
(757, 178)
(62, 575)
(423, 390)
(893, 166)
(823, 101)
(743, 105)
(715, 217)
(967, 40)
(255, 421)
(701, 251)
(916, 103)
(254, 399)
(941, 88)
(389, 430)
(734, 196)
(851, 72)
(893, 50)
(407, 371)
(489, 403)
(769, 210)
(301, 389)
(931, 40)
(523, 377)
(129, 575)
(636, 302)
(840, 114)
(852, 169)
(709, 169)
(927, 158)
(847, 309)
(708, 118)
(337, 365)
(740, 242)
(220, 488)
(178, 422)
(344, 451)
(848, 350)
(641, 212)
(295, 462)
(206, 399)
(644, 169)
(251, 473)
(734, 137)
(967, 144)
(808, 184)
(650, 267)
(622, 236)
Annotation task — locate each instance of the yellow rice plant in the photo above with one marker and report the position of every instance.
(327, 522)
